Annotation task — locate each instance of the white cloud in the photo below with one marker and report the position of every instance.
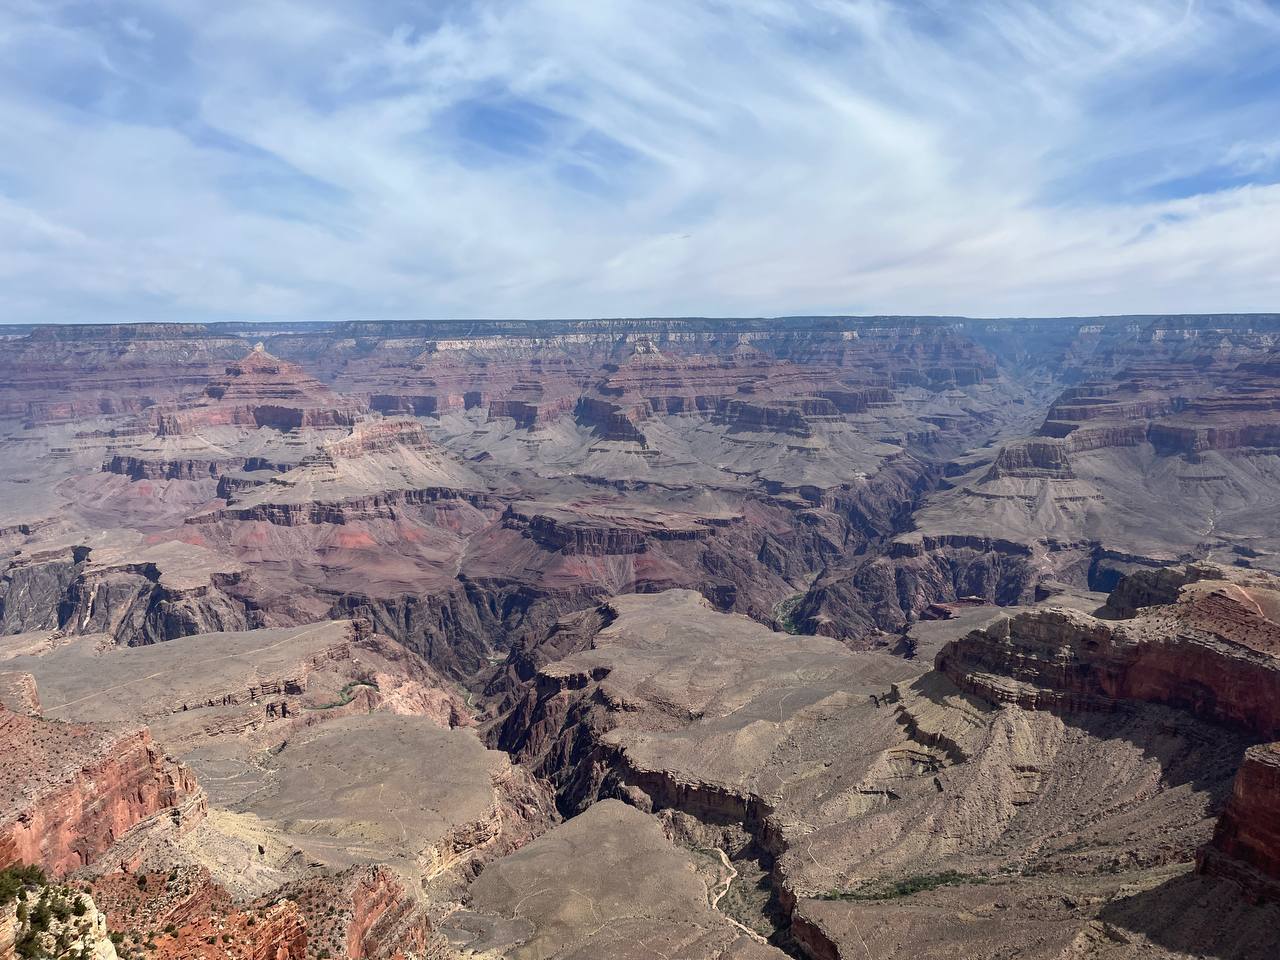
(555, 158)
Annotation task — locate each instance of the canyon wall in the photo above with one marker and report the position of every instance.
(72, 790)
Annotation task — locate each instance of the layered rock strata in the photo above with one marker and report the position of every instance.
(71, 790)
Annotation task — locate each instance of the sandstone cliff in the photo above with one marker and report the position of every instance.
(1202, 639)
(69, 791)
(1213, 653)
(1246, 845)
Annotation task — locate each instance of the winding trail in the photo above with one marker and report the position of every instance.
(715, 901)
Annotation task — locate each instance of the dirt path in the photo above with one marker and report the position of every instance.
(715, 901)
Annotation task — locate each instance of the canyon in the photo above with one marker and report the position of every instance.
(820, 637)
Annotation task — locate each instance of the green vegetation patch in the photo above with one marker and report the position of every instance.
(19, 877)
(784, 612)
(46, 913)
(892, 890)
(347, 695)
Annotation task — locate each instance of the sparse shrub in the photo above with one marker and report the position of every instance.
(905, 887)
(15, 880)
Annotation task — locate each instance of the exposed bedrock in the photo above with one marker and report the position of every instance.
(131, 602)
(1032, 459)
(543, 562)
(886, 590)
(530, 414)
(789, 417)
(193, 917)
(141, 468)
(362, 913)
(1246, 844)
(385, 916)
(1152, 588)
(1173, 437)
(445, 628)
(33, 589)
(1214, 656)
(1205, 640)
(137, 608)
(570, 634)
(597, 539)
(459, 629)
(261, 391)
(609, 420)
(71, 790)
(385, 505)
(65, 924)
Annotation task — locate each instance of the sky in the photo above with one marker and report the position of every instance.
(340, 159)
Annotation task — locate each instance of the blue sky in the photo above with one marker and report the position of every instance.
(167, 160)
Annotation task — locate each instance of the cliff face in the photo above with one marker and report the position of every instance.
(1246, 844)
(1211, 655)
(384, 917)
(132, 600)
(1203, 639)
(71, 790)
(889, 590)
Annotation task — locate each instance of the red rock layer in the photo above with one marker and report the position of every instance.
(384, 917)
(363, 913)
(1181, 408)
(1213, 656)
(189, 917)
(1211, 647)
(263, 391)
(68, 791)
(1246, 844)
(75, 371)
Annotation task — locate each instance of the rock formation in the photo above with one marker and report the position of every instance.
(1213, 652)
(48, 920)
(815, 636)
(1246, 845)
(71, 790)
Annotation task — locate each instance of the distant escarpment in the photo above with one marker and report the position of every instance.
(261, 391)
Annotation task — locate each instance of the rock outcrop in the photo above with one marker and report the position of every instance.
(182, 914)
(1246, 846)
(50, 921)
(364, 913)
(262, 391)
(142, 595)
(1203, 639)
(1215, 652)
(69, 791)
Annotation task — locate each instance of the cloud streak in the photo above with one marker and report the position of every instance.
(551, 158)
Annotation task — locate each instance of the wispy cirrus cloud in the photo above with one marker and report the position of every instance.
(164, 160)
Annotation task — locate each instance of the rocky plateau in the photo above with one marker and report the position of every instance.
(811, 637)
